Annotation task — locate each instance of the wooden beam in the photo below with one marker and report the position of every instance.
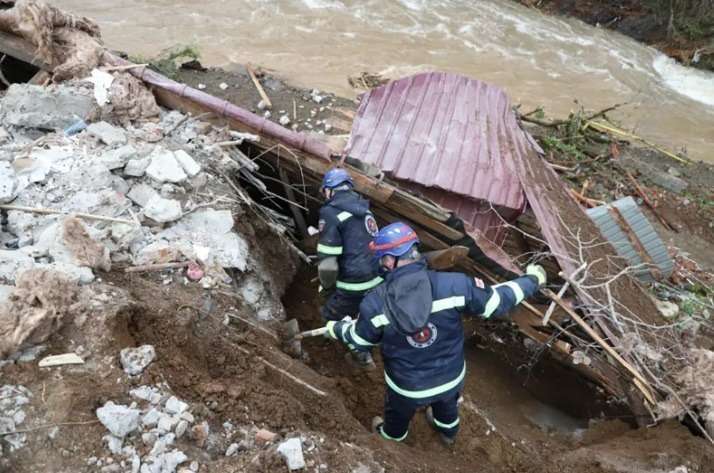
(21, 49)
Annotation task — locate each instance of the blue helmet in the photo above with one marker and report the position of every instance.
(395, 239)
(336, 177)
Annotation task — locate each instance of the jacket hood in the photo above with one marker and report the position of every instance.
(351, 202)
(407, 298)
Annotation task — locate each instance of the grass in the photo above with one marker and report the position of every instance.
(169, 60)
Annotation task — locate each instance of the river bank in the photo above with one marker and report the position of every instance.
(685, 33)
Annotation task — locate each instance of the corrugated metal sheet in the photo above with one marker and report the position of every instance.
(643, 230)
(446, 132)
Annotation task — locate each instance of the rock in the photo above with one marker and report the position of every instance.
(76, 274)
(284, 120)
(165, 168)
(14, 262)
(120, 420)
(145, 393)
(175, 406)
(264, 436)
(262, 105)
(8, 183)
(668, 310)
(181, 428)
(199, 433)
(223, 86)
(157, 252)
(141, 194)
(291, 450)
(267, 114)
(114, 444)
(55, 107)
(118, 158)
(107, 134)
(193, 466)
(189, 165)
(188, 417)
(135, 360)
(163, 210)
(136, 167)
(151, 418)
(166, 422)
(232, 450)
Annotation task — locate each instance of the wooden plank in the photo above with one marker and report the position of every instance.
(21, 49)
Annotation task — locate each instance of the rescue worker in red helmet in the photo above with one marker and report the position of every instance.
(347, 269)
(415, 316)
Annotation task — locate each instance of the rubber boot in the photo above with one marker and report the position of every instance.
(445, 439)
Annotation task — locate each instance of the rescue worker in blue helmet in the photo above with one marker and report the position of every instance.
(346, 268)
(415, 316)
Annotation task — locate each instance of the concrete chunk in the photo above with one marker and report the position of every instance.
(165, 168)
(118, 158)
(136, 167)
(291, 450)
(12, 263)
(188, 164)
(118, 419)
(107, 134)
(55, 107)
(163, 210)
(8, 183)
(175, 405)
(141, 194)
(135, 360)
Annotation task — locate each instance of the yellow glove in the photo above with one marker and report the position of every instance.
(330, 333)
(537, 271)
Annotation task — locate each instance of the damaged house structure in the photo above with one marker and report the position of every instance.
(442, 152)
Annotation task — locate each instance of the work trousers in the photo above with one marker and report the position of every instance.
(399, 410)
(341, 303)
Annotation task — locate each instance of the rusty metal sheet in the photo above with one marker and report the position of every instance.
(444, 131)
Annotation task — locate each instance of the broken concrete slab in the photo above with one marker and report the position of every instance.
(163, 210)
(136, 167)
(54, 107)
(141, 194)
(107, 134)
(120, 420)
(135, 360)
(175, 405)
(189, 165)
(291, 450)
(165, 168)
(117, 158)
(8, 183)
(14, 262)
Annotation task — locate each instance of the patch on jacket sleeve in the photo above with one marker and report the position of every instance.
(479, 283)
(370, 224)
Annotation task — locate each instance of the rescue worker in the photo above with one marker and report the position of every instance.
(415, 315)
(346, 268)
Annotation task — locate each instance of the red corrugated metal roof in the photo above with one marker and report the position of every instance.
(444, 131)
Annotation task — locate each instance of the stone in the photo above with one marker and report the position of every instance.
(284, 120)
(135, 360)
(76, 274)
(107, 134)
(157, 252)
(262, 105)
(114, 444)
(165, 168)
(8, 183)
(181, 428)
(136, 167)
(54, 107)
(151, 418)
(232, 450)
(141, 194)
(143, 392)
(264, 436)
(120, 420)
(189, 165)
(12, 263)
(668, 310)
(166, 422)
(175, 406)
(163, 210)
(199, 433)
(193, 466)
(291, 450)
(118, 158)
(188, 417)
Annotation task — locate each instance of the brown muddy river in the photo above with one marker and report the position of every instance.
(539, 60)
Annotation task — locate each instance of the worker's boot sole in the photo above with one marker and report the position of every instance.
(446, 440)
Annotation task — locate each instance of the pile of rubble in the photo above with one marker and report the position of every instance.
(145, 194)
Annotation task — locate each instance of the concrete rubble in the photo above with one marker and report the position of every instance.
(135, 360)
(13, 402)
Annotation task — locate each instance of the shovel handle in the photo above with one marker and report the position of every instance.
(311, 333)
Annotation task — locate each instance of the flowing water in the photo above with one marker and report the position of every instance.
(538, 59)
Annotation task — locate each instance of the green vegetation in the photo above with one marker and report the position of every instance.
(169, 60)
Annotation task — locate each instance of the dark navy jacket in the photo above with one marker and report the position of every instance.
(429, 362)
(346, 228)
